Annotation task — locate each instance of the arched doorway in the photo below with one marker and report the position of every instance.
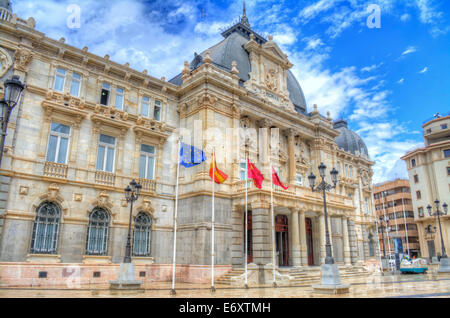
(249, 237)
(282, 239)
(309, 241)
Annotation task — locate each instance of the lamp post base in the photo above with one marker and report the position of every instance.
(331, 281)
(125, 279)
(444, 266)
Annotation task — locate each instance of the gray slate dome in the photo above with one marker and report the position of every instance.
(232, 49)
(5, 4)
(349, 140)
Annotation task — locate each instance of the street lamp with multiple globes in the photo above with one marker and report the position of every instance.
(13, 91)
(132, 192)
(438, 213)
(323, 186)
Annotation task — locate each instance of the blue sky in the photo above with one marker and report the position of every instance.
(385, 81)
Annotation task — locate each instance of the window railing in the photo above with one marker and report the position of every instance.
(105, 178)
(55, 170)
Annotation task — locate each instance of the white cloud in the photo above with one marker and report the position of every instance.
(371, 68)
(405, 17)
(425, 69)
(400, 81)
(409, 50)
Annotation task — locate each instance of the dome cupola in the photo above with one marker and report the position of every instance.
(349, 140)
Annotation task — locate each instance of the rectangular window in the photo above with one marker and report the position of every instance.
(413, 162)
(58, 143)
(106, 91)
(350, 168)
(60, 80)
(299, 178)
(447, 153)
(367, 205)
(418, 195)
(119, 98)
(75, 85)
(106, 153)
(444, 126)
(448, 171)
(416, 178)
(243, 170)
(420, 212)
(157, 110)
(147, 162)
(145, 107)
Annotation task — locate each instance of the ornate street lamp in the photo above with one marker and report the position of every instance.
(438, 214)
(13, 91)
(323, 187)
(384, 225)
(132, 192)
(330, 278)
(125, 276)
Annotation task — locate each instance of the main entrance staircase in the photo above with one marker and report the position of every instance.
(302, 275)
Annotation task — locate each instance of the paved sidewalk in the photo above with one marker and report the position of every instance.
(373, 287)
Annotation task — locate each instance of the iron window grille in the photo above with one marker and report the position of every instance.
(45, 229)
(142, 235)
(97, 234)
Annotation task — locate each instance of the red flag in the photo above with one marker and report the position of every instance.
(255, 174)
(276, 180)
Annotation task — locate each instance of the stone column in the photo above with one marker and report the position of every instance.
(295, 249)
(347, 259)
(322, 239)
(291, 154)
(260, 233)
(303, 244)
(238, 244)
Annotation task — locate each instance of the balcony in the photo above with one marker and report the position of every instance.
(147, 185)
(239, 187)
(5, 14)
(55, 170)
(105, 178)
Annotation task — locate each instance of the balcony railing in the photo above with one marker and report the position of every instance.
(148, 185)
(5, 14)
(105, 178)
(55, 170)
(240, 187)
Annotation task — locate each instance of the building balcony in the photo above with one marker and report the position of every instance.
(148, 185)
(55, 170)
(105, 178)
(5, 14)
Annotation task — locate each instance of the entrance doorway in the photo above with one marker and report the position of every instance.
(249, 237)
(282, 239)
(309, 241)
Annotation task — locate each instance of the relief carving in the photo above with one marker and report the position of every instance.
(23, 59)
(272, 79)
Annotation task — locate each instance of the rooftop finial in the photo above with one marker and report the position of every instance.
(244, 19)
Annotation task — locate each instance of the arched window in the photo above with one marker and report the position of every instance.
(44, 239)
(97, 234)
(142, 235)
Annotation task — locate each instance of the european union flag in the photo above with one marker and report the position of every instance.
(191, 156)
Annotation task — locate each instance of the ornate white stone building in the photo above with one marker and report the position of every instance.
(86, 126)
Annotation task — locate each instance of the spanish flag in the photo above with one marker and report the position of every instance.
(219, 176)
(255, 174)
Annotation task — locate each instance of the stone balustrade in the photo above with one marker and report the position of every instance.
(147, 185)
(55, 170)
(5, 14)
(105, 178)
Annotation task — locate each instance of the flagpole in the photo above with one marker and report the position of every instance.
(273, 227)
(173, 292)
(246, 219)
(379, 248)
(213, 289)
(406, 228)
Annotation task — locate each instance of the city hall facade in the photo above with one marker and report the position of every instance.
(86, 126)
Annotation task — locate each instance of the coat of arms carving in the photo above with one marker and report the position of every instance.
(271, 80)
